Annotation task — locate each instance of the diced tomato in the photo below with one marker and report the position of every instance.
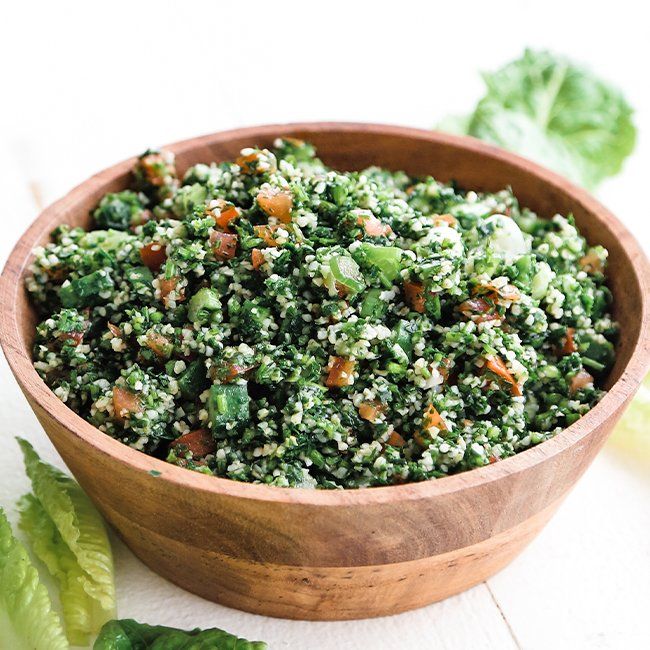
(153, 256)
(341, 290)
(509, 292)
(395, 440)
(257, 258)
(478, 309)
(265, 233)
(276, 204)
(56, 273)
(414, 292)
(115, 330)
(160, 345)
(340, 373)
(475, 306)
(492, 459)
(498, 367)
(157, 167)
(581, 380)
(199, 442)
(373, 226)
(370, 410)
(486, 317)
(444, 367)
(227, 215)
(591, 263)
(433, 419)
(451, 378)
(445, 218)
(569, 346)
(76, 337)
(167, 285)
(506, 292)
(234, 371)
(421, 440)
(124, 403)
(245, 162)
(224, 245)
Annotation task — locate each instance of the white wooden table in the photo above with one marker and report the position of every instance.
(82, 88)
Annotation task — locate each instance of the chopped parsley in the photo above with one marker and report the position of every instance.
(272, 320)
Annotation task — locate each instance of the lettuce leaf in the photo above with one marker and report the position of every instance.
(80, 528)
(128, 634)
(82, 615)
(27, 620)
(520, 133)
(561, 115)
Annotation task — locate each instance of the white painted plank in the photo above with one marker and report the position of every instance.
(18, 209)
(585, 581)
(469, 621)
(18, 204)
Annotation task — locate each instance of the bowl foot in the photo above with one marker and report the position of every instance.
(325, 593)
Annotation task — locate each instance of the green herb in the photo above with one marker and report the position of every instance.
(140, 277)
(383, 297)
(106, 240)
(557, 113)
(121, 210)
(128, 634)
(373, 306)
(85, 290)
(193, 381)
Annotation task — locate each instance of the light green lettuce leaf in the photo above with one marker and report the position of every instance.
(520, 133)
(456, 124)
(128, 634)
(27, 621)
(82, 615)
(79, 525)
(557, 113)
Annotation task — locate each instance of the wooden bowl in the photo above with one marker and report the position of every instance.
(308, 554)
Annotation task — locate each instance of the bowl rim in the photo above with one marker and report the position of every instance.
(37, 391)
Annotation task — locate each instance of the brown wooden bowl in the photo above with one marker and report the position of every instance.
(322, 554)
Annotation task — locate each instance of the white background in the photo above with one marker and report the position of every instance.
(85, 84)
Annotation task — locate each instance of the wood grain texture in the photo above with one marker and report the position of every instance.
(344, 554)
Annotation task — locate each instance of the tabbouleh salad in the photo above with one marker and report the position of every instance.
(273, 320)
